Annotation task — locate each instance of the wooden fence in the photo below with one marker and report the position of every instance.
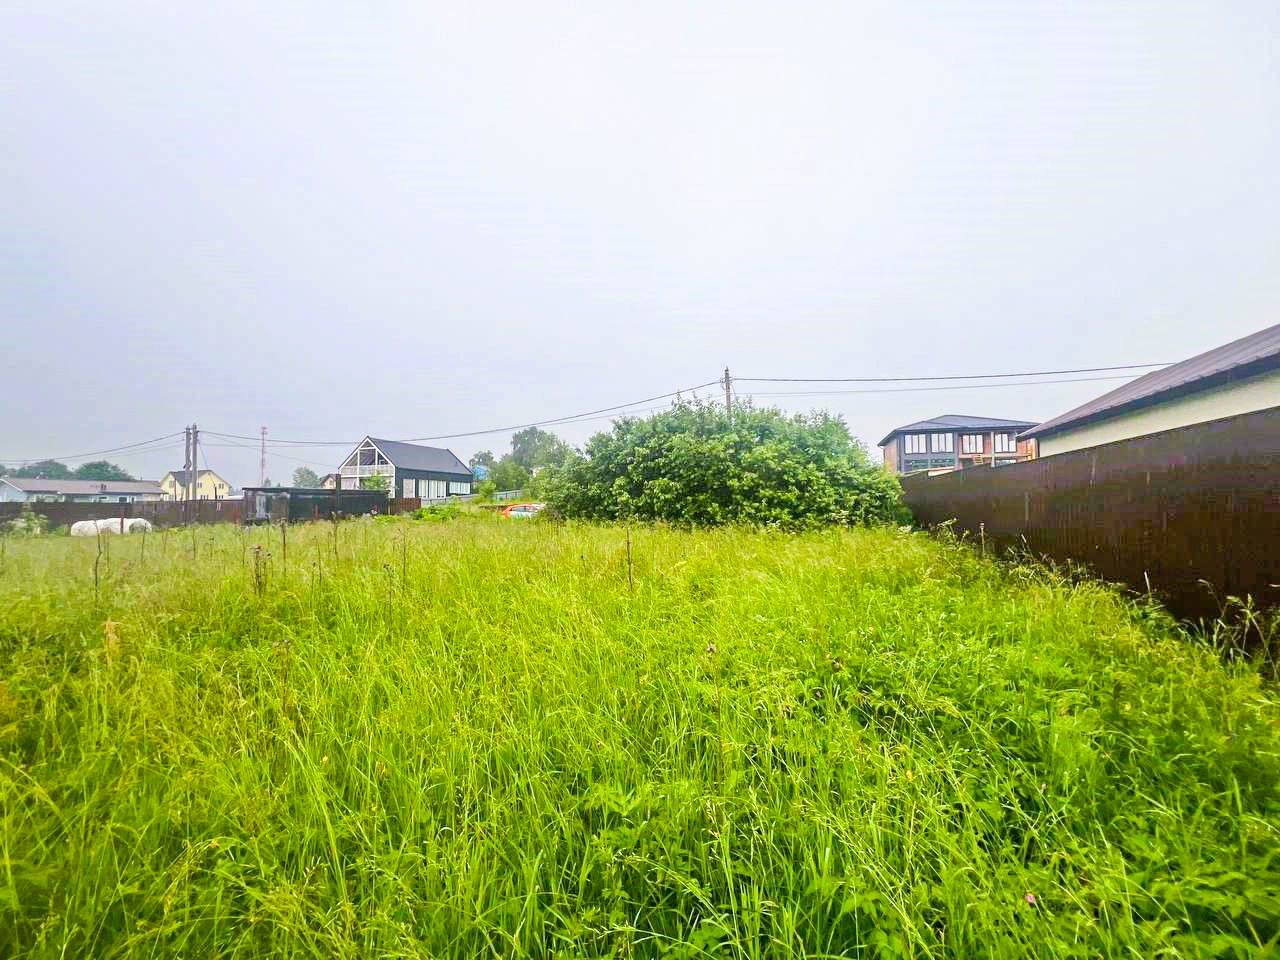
(1194, 512)
(162, 513)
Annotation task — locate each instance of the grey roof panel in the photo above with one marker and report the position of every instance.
(412, 456)
(1261, 349)
(953, 421)
(81, 487)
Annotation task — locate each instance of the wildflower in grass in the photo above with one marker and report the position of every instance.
(1030, 898)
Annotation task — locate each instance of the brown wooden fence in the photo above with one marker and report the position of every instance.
(162, 513)
(1193, 511)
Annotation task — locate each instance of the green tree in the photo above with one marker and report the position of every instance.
(305, 477)
(697, 464)
(50, 469)
(509, 475)
(377, 481)
(483, 458)
(534, 449)
(102, 470)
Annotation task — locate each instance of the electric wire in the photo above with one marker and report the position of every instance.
(953, 376)
(149, 446)
(957, 386)
(92, 453)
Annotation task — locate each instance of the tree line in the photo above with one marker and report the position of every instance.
(56, 470)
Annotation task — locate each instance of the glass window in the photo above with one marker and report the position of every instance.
(1006, 443)
(942, 442)
(461, 487)
(407, 489)
(971, 443)
(913, 442)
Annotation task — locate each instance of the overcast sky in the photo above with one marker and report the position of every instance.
(427, 218)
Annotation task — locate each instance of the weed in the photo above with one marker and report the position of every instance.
(488, 739)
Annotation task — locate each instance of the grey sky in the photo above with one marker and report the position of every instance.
(413, 219)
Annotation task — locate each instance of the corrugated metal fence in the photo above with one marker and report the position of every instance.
(1179, 509)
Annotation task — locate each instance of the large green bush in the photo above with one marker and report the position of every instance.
(699, 464)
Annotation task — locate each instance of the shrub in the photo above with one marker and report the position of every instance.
(698, 464)
(438, 512)
(26, 524)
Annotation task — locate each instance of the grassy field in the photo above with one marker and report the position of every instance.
(477, 738)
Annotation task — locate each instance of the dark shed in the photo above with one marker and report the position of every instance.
(295, 504)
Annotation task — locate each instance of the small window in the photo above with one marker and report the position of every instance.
(407, 489)
(942, 442)
(1006, 443)
(971, 443)
(913, 443)
(459, 487)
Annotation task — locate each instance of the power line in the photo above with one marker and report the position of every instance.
(477, 433)
(148, 446)
(95, 453)
(954, 376)
(957, 386)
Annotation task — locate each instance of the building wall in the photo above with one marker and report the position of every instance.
(1247, 396)
(890, 451)
(430, 485)
(896, 458)
(209, 486)
(9, 495)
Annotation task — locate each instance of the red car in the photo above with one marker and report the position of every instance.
(523, 511)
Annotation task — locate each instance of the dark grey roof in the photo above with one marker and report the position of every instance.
(412, 456)
(952, 421)
(1246, 357)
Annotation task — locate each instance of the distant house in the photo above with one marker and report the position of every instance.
(329, 481)
(209, 486)
(1240, 377)
(411, 470)
(952, 442)
(25, 490)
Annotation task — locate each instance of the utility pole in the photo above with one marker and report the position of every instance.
(728, 392)
(195, 460)
(262, 464)
(186, 461)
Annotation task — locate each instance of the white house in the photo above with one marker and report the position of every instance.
(25, 489)
(1240, 377)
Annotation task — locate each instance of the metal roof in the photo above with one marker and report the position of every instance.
(411, 456)
(82, 487)
(1236, 360)
(953, 421)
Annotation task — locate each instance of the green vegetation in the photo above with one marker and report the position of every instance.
(376, 481)
(56, 470)
(698, 464)
(483, 738)
(532, 450)
(306, 477)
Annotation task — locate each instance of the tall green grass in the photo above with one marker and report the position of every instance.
(485, 739)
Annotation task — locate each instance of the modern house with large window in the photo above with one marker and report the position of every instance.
(952, 442)
(410, 470)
